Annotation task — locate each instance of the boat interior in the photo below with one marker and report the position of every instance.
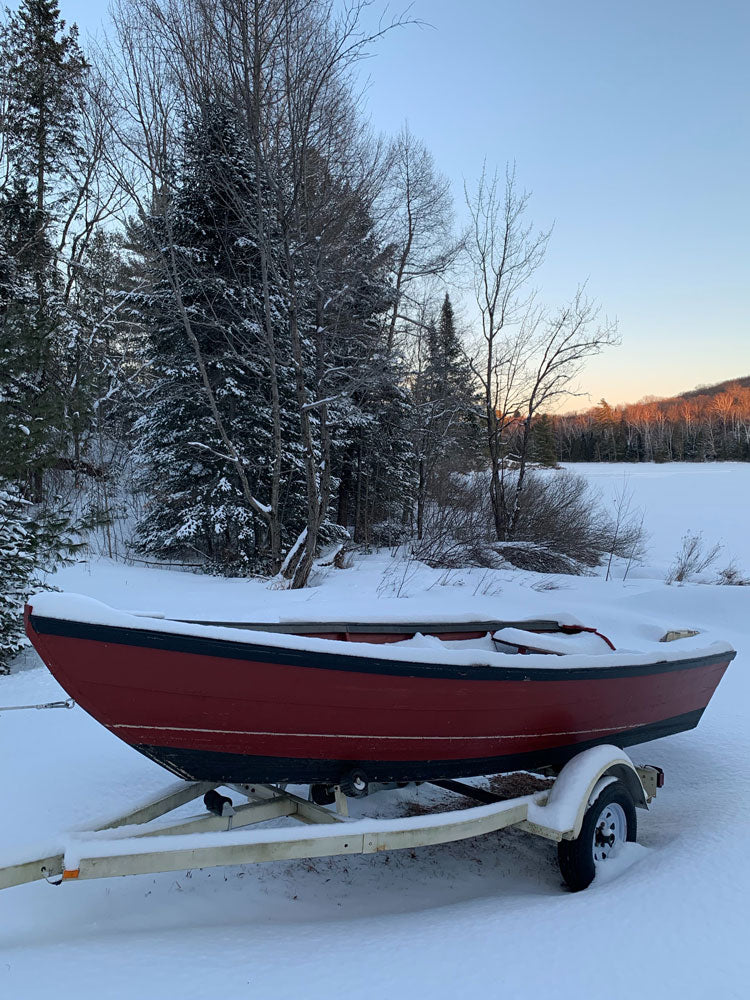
(532, 636)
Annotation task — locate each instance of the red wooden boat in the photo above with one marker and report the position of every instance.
(320, 703)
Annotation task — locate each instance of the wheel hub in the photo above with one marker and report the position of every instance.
(610, 832)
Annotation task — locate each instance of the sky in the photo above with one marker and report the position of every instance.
(628, 123)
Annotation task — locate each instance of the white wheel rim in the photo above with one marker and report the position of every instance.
(610, 831)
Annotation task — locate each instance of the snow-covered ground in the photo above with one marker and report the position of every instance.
(680, 497)
(483, 917)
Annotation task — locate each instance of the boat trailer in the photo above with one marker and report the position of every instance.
(589, 810)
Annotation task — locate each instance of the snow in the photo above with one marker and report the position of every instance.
(76, 607)
(574, 785)
(583, 642)
(482, 917)
(678, 497)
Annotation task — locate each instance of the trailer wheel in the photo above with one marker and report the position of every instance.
(608, 822)
(355, 785)
(322, 795)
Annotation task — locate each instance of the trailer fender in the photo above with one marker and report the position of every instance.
(559, 816)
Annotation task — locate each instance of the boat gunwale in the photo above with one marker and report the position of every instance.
(535, 625)
(355, 662)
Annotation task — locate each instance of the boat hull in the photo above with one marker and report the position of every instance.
(229, 710)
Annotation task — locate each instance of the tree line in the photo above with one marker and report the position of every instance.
(701, 426)
(218, 284)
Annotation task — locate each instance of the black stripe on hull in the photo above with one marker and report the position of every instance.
(208, 765)
(323, 660)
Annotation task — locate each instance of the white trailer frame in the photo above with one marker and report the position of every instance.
(132, 844)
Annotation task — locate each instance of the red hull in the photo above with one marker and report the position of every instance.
(241, 711)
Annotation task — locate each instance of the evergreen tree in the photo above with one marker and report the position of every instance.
(543, 450)
(449, 388)
(30, 407)
(42, 73)
(97, 350)
(31, 542)
(195, 502)
(378, 479)
(364, 427)
(606, 442)
(447, 365)
(445, 398)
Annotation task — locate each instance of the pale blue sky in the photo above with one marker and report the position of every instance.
(629, 123)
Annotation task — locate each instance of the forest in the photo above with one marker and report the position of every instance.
(706, 425)
(227, 331)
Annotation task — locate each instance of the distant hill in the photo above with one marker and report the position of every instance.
(714, 390)
(709, 391)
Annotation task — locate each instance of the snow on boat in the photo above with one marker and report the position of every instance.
(337, 703)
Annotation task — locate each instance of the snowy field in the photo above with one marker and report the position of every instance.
(678, 497)
(481, 918)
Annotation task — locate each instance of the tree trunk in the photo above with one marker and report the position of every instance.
(513, 519)
(421, 490)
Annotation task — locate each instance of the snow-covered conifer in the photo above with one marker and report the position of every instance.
(32, 542)
(42, 71)
(201, 256)
(445, 426)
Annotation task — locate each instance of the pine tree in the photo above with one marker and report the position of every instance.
(195, 503)
(606, 442)
(42, 72)
(31, 542)
(449, 386)
(97, 348)
(28, 403)
(377, 466)
(447, 362)
(543, 450)
(364, 427)
(445, 397)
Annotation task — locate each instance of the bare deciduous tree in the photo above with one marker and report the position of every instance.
(504, 254)
(418, 224)
(530, 357)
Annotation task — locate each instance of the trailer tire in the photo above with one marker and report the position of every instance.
(609, 820)
(322, 795)
(355, 785)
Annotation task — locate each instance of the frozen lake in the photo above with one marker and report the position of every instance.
(677, 497)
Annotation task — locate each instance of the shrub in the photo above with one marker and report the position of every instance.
(562, 514)
(560, 528)
(693, 558)
(731, 576)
